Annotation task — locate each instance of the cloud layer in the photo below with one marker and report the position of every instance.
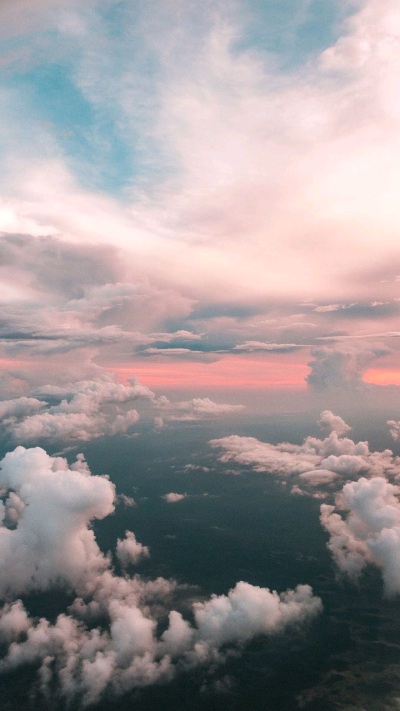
(315, 462)
(107, 643)
(86, 409)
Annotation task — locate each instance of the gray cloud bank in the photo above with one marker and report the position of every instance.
(60, 297)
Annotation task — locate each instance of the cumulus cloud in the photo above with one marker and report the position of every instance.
(342, 368)
(197, 408)
(51, 543)
(333, 423)
(85, 409)
(19, 407)
(123, 422)
(129, 550)
(248, 609)
(394, 428)
(107, 642)
(364, 523)
(315, 462)
(366, 530)
(172, 498)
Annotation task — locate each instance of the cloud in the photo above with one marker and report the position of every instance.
(19, 407)
(107, 642)
(304, 139)
(195, 409)
(318, 476)
(394, 429)
(249, 610)
(252, 346)
(333, 423)
(173, 498)
(52, 544)
(364, 523)
(86, 409)
(316, 462)
(342, 368)
(129, 551)
(369, 532)
(167, 351)
(123, 422)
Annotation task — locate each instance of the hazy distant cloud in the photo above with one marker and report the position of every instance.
(166, 351)
(251, 346)
(328, 308)
(85, 409)
(317, 477)
(338, 368)
(394, 429)
(56, 265)
(195, 409)
(333, 423)
(173, 498)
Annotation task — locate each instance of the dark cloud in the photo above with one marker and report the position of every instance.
(342, 368)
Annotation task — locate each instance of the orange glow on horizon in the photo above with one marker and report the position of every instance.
(232, 372)
(377, 376)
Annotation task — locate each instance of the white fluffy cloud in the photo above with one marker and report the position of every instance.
(249, 610)
(394, 429)
(49, 543)
(172, 498)
(86, 409)
(364, 523)
(195, 409)
(369, 532)
(333, 423)
(315, 462)
(129, 550)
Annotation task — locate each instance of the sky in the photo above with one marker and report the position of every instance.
(202, 194)
(199, 226)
